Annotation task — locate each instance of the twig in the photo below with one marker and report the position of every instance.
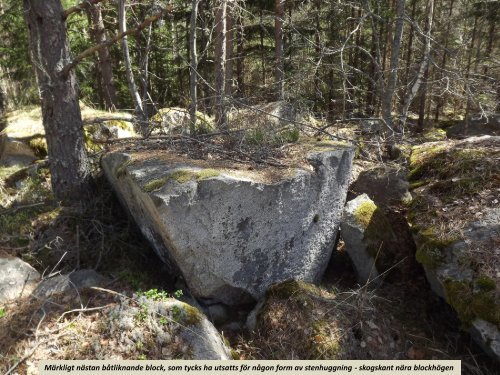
(17, 208)
(26, 356)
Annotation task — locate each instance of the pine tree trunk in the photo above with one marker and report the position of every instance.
(193, 72)
(229, 47)
(279, 49)
(394, 65)
(3, 120)
(220, 65)
(98, 33)
(440, 100)
(422, 72)
(69, 165)
(240, 62)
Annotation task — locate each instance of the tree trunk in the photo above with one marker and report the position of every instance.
(440, 100)
(467, 76)
(229, 47)
(193, 77)
(3, 120)
(394, 64)
(220, 65)
(69, 165)
(240, 62)
(422, 72)
(262, 48)
(279, 49)
(409, 51)
(139, 110)
(98, 33)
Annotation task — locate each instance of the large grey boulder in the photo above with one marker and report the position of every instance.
(17, 279)
(233, 233)
(474, 298)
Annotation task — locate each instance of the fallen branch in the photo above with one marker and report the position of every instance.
(90, 51)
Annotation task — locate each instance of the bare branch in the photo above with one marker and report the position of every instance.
(82, 6)
(90, 51)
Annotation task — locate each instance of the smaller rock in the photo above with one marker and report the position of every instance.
(370, 127)
(16, 153)
(181, 330)
(357, 224)
(487, 335)
(217, 313)
(68, 283)
(476, 127)
(385, 185)
(17, 279)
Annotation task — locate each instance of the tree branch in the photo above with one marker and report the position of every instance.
(90, 51)
(77, 8)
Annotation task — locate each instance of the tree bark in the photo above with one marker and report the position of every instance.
(422, 72)
(69, 165)
(220, 64)
(230, 47)
(98, 33)
(279, 49)
(193, 72)
(440, 100)
(139, 110)
(467, 75)
(394, 65)
(240, 62)
(3, 120)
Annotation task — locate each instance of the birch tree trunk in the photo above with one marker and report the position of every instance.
(193, 77)
(62, 120)
(386, 100)
(139, 110)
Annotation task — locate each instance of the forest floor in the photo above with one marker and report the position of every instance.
(402, 319)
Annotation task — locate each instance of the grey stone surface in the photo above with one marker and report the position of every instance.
(181, 331)
(17, 279)
(487, 336)
(384, 184)
(483, 231)
(71, 282)
(217, 313)
(232, 235)
(16, 153)
(476, 127)
(353, 234)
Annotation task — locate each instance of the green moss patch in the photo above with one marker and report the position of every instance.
(186, 315)
(181, 176)
(364, 213)
(471, 303)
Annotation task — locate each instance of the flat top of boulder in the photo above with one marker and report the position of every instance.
(260, 164)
